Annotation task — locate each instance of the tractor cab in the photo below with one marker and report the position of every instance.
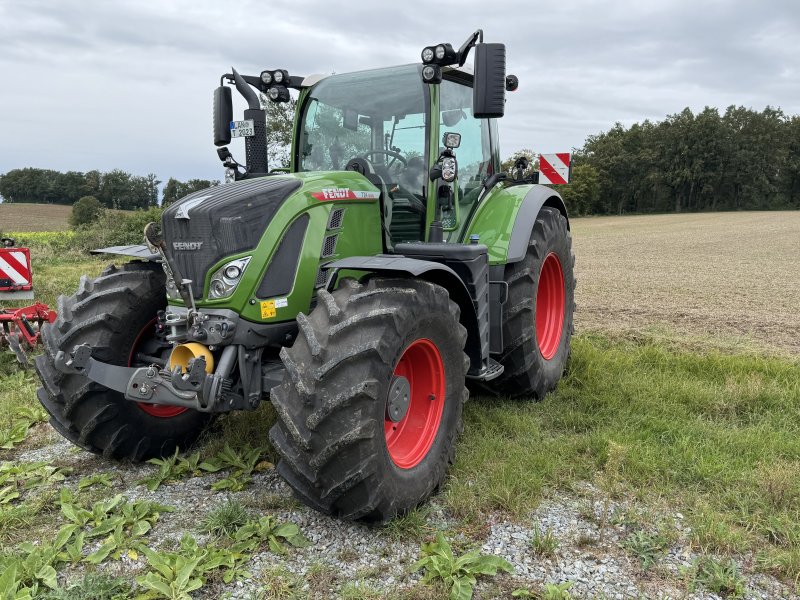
(391, 127)
(423, 134)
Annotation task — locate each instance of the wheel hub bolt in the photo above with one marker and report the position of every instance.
(399, 399)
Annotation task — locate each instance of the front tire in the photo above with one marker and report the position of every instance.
(538, 316)
(113, 314)
(370, 406)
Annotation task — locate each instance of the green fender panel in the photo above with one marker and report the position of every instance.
(505, 217)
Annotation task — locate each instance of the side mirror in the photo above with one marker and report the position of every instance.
(489, 90)
(223, 115)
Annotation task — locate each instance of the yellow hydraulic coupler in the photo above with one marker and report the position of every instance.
(183, 353)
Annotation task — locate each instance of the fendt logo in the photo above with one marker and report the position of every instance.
(187, 245)
(336, 193)
(344, 194)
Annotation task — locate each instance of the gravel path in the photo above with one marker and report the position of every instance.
(588, 553)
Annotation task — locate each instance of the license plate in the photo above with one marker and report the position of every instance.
(243, 128)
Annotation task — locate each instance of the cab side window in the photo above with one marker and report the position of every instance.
(474, 154)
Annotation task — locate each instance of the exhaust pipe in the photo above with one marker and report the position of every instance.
(255, 146)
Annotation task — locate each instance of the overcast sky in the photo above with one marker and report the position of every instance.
(97, 84)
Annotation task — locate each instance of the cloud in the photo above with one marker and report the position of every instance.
(128, 84)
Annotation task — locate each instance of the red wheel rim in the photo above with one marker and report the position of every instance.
(550, 300)
(163, 411)
(410, 439)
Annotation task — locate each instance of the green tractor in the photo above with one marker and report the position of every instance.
(359, 290)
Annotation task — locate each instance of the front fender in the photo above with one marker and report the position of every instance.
(141, 252)
(434, 272)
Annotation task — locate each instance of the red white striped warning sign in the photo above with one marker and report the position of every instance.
(554, 168)
(15, 269)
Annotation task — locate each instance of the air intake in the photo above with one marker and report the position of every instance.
(329, 246)
(336, 218)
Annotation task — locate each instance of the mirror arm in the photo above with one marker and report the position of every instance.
(492, 181)
(463, 52)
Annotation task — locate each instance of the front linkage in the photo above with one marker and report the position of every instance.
(194, 387)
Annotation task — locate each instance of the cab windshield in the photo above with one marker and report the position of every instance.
(376, 116)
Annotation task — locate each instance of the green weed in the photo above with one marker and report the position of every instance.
(780, 563)
(27, 476)
(21, 421)
(100, 479)
(267, 531)
(175, 468)
(647, 547)
(120, 524)
(225, 519)
(719, 577)
(412, 525)
(459, 574)
(93, 586)
(241, 463)
(175, 575)
(543, 543)
(550, 591)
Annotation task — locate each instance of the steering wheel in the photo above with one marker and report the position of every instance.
(392, 153)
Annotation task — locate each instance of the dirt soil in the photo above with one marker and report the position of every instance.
(34, 217)
(732, 276)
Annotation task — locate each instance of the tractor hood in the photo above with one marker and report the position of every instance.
(208, 225)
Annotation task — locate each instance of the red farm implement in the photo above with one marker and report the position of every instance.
(20, 325)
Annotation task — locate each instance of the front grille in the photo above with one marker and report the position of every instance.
(223, 220)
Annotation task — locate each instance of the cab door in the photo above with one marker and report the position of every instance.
(477, 155)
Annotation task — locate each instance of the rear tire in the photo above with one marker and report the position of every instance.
(538, 316)
(110, 314)
(340, 450)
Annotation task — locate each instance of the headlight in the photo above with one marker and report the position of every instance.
(451, 140)
(278, 76)
(225, 279)
(448, 169)
(439, 52)
(427, 55)
(432, 74)
(266, 77)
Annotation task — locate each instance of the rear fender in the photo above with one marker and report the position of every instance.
(537, 197)
(505, 218)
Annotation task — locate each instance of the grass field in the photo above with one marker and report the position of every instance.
(34, 217)
(682, 398)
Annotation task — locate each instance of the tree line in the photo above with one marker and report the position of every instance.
(741, 159)
(113, 189)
